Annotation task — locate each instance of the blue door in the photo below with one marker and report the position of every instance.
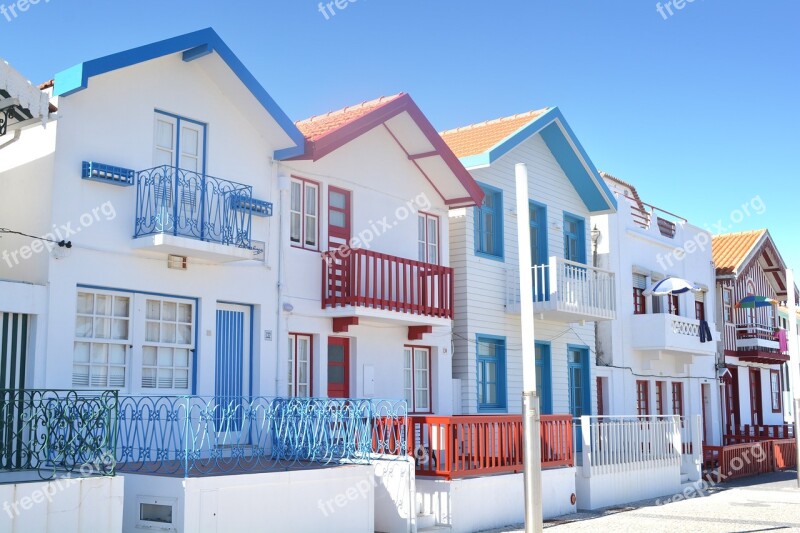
(232, 377)
(544, 378)
(538, 218)
(580, 402)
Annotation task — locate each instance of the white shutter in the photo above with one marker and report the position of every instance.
(639, 281)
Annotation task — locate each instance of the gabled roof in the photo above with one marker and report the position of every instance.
(409, 128)
(734, 253)
(194, 46)
(479, 145)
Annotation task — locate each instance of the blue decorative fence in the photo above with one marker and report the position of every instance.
(192, 436)
(184, 203)
(57, 431)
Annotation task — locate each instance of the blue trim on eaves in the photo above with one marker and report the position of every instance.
(194, 45)
(589, 185)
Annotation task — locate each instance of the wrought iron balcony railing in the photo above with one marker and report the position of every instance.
(57, 431)
(184, 203)
(195, 436)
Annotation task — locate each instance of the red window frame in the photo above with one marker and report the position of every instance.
(775, 394)
(413, 407)
(700, 310)
(677, 398)
(639, 302)
(674, 302)
(302, 244)
(642, 397)
(660, 398)
(727, 305)
(426, 216)
(293, 336)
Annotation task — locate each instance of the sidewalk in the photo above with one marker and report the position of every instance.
(769, 502)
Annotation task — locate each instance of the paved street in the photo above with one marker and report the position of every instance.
(765, 503)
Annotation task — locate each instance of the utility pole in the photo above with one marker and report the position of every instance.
(532, 457)
(794, 364)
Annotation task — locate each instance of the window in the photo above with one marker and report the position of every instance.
(156, 513)
(642, 398)
(574, 239)
(639, 299)
(106, 350)
(538, 222)
(775, 390)
(169, 338)
(677, 398)
(727, 303)
(300, 356)
(179, 142)
(700, 306)
(543, 378)
(102, 340)
(489, 224)
(660, 398)
(303, 214)
(674, 304)
(579, 381)
(417, 379)
(428, 238)
(491, 373)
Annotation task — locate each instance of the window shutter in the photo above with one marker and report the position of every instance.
(639, 281)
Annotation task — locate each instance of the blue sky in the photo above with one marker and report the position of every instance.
(699, 110)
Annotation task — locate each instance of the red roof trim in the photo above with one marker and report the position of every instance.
(337, 138)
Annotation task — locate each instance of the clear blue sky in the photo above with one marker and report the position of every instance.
(700, 111)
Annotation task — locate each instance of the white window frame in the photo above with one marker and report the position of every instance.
(429, 250)
(162, 344)
(293, 383)
(107, 341)
(306, 217)
(410, 375)
(151, 525)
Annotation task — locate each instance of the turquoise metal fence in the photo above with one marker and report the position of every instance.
(193, 436)
(57, 432)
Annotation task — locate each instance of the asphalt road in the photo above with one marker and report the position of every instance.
(769, 502)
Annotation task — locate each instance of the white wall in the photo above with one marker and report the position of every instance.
(626, 486)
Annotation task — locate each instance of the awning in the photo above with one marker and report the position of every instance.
(22, 105)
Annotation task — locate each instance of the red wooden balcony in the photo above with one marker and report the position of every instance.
(757, 433)
(363, 278)
(464, 446)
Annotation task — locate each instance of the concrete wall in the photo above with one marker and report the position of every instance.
(76, 505)
(395, 496)
(476, 504)
(337, 499)
(626, 486)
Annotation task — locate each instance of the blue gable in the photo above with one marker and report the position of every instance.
(575, 163)
(193, 45)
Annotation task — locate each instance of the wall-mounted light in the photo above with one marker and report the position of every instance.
(288, 307)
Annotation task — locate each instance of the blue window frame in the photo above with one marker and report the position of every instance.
(538, 222)
(574, 238)
(544, 378)
(489, 224)
(491, 363)
(579, 381)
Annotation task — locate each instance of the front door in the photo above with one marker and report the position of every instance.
(232, 374)
(13, 355)
(578, 381)
(338, 367)
(732, 415)
(340, 272)
(543, 378)
(705, 389)
(757, 417)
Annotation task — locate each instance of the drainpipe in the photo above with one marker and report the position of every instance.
(284, 185)
(791, 337)
(595, 233)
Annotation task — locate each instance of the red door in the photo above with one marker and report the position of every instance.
(732, 401)
(339, 223)
(755, 397)
(338, 367)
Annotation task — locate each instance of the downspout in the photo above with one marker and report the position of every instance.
(283, 190)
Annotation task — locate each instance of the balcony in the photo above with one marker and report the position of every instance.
(758, 343)
(663, 332)
(565, 291)
(365, 279)
(183, 212)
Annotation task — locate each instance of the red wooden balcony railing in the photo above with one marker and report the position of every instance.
(357, 277)
(460, 446)
(721, 463)
(758, 433)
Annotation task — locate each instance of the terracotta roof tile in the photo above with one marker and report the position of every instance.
(731, 249)
(320, 125)
(478, 138)
(623, 183)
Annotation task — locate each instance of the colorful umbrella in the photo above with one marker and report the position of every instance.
(753, 302)
(671, 286)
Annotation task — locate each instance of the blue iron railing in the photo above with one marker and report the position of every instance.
(194, 436)
(58, 431)
(184, 203)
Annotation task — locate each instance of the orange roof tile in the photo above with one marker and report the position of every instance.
(633, 190)
(478, 138)
(320, 125)
(731, 249)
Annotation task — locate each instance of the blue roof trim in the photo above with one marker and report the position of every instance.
(590, 186)
(195, 45)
